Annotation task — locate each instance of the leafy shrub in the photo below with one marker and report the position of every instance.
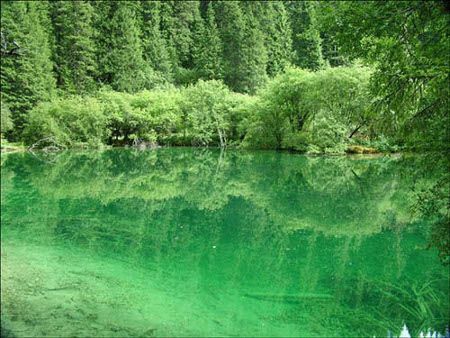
(208, 107)
(6, 122)
(73, 121)
(300, 107)
(144, 115)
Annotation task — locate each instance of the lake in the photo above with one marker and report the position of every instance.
(199, 242)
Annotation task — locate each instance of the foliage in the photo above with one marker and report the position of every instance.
(155, 50)
(275, 23)
(27, 79)
(245, 57)
(6, 122)
(301, 108)
(208, 48)
(203, 114)
(74, 121)
(74, 49)
(306, 36)
(406, 42)
(206, 113)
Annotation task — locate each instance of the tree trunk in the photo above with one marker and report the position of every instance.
(356, 130)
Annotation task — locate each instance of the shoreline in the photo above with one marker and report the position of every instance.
(8, 150)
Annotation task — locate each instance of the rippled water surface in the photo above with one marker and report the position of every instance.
(198, 242)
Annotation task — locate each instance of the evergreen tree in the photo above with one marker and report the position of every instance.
(155, 51)
(254, 57)
(29, 78)
(330, 50)
(208, 48)
(186, 16)
(102, 25)
(244, 54)
(74, 53)
(274, 22)
(120, 47)
(306, 40)
(168, 31)
(126, 56)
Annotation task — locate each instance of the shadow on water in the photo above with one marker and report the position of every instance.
(201, 242)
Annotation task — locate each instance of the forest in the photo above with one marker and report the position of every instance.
(312, 77)
(315, 77)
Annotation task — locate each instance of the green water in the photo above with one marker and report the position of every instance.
(198, 242)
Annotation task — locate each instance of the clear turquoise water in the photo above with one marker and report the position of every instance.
(195, 242)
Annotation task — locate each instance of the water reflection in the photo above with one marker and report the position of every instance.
(319, 246)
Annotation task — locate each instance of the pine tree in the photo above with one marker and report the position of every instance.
(102, 26)
(278, 37)
(208, 48)
(305, 35)
(168, 31)
(254, 56)
(245, 57)
(186, 16)
(330, 49)
(120, 48)
(74, 53)
(29, 78)
(155, 51)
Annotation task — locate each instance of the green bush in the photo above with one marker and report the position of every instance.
(152, 116)
(158, 113)
(208, 112)
(300, 108)
(6, 122)
(72, 122)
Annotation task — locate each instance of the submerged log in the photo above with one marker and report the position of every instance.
(289, 299)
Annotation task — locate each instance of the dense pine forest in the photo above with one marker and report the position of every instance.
(316, 77)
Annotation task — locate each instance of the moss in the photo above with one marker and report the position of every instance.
(356, 149)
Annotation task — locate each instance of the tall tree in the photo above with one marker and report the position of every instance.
(167, 25)
(120, 47)
(245, 56)
(178, 22)
(102, 25)
(74, 53)
(275, 25)
(254, 56)
(155, 51)
(306, 39)
(29, 78)
(208, 48)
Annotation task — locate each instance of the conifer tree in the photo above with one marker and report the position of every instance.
(120, 47)
(168, 31)
(231, 27)
(254, 57)
(186, 15)
(244, 54)
(25, 79)
(278, 37)
(102, 26)
(208, 48)
(74, 49)
(331, 51)
(155, 51)
(305, 35)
